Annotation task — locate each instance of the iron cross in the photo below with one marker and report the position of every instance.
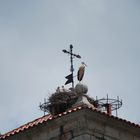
(72, 55)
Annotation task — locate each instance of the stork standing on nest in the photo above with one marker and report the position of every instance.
(81, 72)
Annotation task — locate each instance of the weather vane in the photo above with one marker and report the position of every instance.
(72, 55)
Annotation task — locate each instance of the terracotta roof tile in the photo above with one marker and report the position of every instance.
(26, 126)
(50, 117)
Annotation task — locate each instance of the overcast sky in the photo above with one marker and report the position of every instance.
(106, 33)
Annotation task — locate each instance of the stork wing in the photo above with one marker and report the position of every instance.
(80, 75)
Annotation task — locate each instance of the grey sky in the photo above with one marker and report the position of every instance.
(32, 34)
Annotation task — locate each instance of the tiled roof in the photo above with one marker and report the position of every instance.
(50, 117)
(26, 126)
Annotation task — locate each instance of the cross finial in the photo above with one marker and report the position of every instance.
(72, 55)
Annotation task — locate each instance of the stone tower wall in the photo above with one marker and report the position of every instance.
(81, 125)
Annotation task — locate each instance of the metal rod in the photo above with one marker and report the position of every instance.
(116, 112)
(71, 60)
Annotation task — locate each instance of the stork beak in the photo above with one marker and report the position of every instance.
(84, 64)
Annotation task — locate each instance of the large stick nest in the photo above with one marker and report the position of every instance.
(61, 97)
(61, 101)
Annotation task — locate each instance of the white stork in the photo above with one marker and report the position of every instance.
(81, 71)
